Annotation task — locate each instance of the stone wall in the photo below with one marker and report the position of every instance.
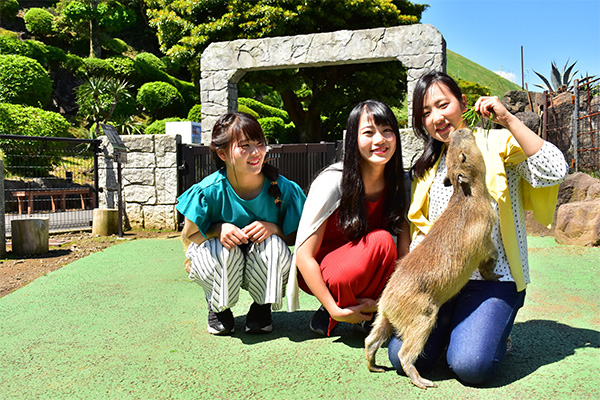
(420, 48)
(149, 178)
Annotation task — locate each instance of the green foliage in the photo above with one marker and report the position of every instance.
(115, 46)
(560, 79)
(9, 9)
(158, 127)
(195, 113)
(31, 121)
(73, 63)
(160, 99)
(275, 129)
(472, 91)
(123, 66)
(38, 21)
(24, 81)
(248, 110)
(97, 67)
(101, 99)
(150, 60)
(264, 110)
(44, 54)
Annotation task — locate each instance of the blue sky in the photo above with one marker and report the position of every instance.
(491, 33)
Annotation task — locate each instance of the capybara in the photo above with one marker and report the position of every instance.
(458, 243)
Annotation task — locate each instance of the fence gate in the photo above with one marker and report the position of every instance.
(54, 178)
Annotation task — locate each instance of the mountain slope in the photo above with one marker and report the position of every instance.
(460, 67)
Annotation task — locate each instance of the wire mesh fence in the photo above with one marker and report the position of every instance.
(572, 122)
(54, 178)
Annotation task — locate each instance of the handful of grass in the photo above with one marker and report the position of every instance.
(472, 118)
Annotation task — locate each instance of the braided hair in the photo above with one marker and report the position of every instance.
(235, 127)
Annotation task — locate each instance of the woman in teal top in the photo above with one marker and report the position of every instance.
(240, 221)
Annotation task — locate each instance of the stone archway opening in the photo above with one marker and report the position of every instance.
(420, 48)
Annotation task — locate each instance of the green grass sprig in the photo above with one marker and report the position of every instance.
(473, 118)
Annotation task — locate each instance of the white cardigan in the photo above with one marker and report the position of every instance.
(323, 199)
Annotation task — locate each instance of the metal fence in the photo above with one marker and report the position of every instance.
(54, 178)
(574, 125)
(297, 162)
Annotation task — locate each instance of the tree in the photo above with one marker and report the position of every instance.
(90, 19)
(560, 79)
(317, 99)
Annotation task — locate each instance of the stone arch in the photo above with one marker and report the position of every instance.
(420, 48)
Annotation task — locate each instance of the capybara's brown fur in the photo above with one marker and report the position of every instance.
(458, 243)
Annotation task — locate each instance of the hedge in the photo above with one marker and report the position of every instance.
(39, 21)
(24, 81)
(160, 99)
(159, 127)
(264, 110)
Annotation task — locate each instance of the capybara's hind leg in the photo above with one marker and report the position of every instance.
(413, 342)
(381, 331)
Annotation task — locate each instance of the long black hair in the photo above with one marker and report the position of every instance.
(353, 213)
(235, 127)
(432, 147)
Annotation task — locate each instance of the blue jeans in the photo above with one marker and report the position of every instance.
(473, 326)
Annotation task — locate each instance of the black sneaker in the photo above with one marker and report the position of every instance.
(319, 323)
(259, 319)
(365, 326)
(221, 323)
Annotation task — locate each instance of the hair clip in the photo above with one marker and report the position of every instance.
(274, 183)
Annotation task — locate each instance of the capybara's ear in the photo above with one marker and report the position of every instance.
(447, 182)
(464, 183)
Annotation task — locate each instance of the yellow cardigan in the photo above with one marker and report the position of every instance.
(500, 149)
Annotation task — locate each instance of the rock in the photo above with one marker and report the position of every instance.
(531, 120)
(593, 192)
(575, 188)
(578, 223)
(515, 101)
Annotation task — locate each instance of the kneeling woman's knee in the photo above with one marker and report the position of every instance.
(473, 369)
(382, 238)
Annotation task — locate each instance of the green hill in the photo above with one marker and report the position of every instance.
(459, 67)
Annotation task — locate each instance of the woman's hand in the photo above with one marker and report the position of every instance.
(353, 314)
(231, 236)
(260, 230)
(487, 105)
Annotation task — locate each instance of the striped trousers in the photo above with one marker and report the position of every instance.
(260, 268)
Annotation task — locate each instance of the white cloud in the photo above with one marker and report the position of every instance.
(507, 75)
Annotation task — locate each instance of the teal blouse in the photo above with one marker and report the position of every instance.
(213, 200)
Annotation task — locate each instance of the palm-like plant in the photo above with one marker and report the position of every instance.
(560, 79)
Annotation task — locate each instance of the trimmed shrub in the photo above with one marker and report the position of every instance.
(195, 113)
(264, 110)
(124, 67)
(160, 99)
(151, 60)
(159, 127)
(73, 63)
(275, 129)
(96, 67)
(32, 121)
(24, 81)
(115, 46)
(39, 21)
(248, 110)
(9, 9)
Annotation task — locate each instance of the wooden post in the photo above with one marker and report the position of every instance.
(29, 236)
(105, 221)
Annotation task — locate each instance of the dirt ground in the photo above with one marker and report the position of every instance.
(16, 272)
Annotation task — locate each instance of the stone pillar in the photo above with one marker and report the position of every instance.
(29, 236)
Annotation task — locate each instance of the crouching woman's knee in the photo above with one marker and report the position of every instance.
(473, 369)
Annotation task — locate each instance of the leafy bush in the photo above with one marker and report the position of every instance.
(9, 8)
(159, 127)
(39, 51)
(472, 90)
(73, 63)
(248, 110)
(195, 113)
(124, 67)
(39, 21)
(97, 67)
(24, 81)
(264, 110)
(160, 99)
(115, 46)
(275, 129)
(151, 60)
(31, 121)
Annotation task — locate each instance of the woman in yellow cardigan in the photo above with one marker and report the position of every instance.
(523, 172)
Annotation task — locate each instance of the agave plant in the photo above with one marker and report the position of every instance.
(560, 79)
